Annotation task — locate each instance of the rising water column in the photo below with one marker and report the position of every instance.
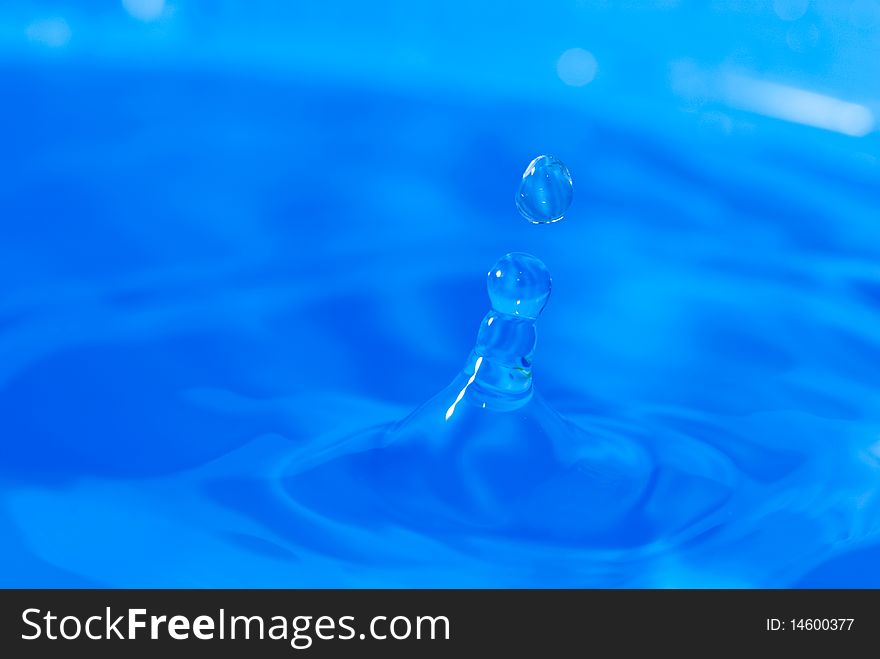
(487, 455)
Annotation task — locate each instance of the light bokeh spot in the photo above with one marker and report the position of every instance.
(51, 32)
(790, 10)
(144, 10)
(576, 67)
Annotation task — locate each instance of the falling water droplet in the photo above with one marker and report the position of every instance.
(546, 191)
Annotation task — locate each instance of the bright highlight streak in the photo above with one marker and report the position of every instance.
(470, 381)
(797, 105)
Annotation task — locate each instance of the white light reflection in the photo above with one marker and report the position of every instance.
(796, 105)
(461, 393)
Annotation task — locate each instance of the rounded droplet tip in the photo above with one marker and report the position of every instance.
(519, 285)
(546, 190)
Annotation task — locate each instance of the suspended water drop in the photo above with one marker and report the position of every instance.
(546, 191)
(519, 285)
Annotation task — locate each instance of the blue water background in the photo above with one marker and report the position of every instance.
(232, 236)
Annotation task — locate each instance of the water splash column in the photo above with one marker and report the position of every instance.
(499, 367)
